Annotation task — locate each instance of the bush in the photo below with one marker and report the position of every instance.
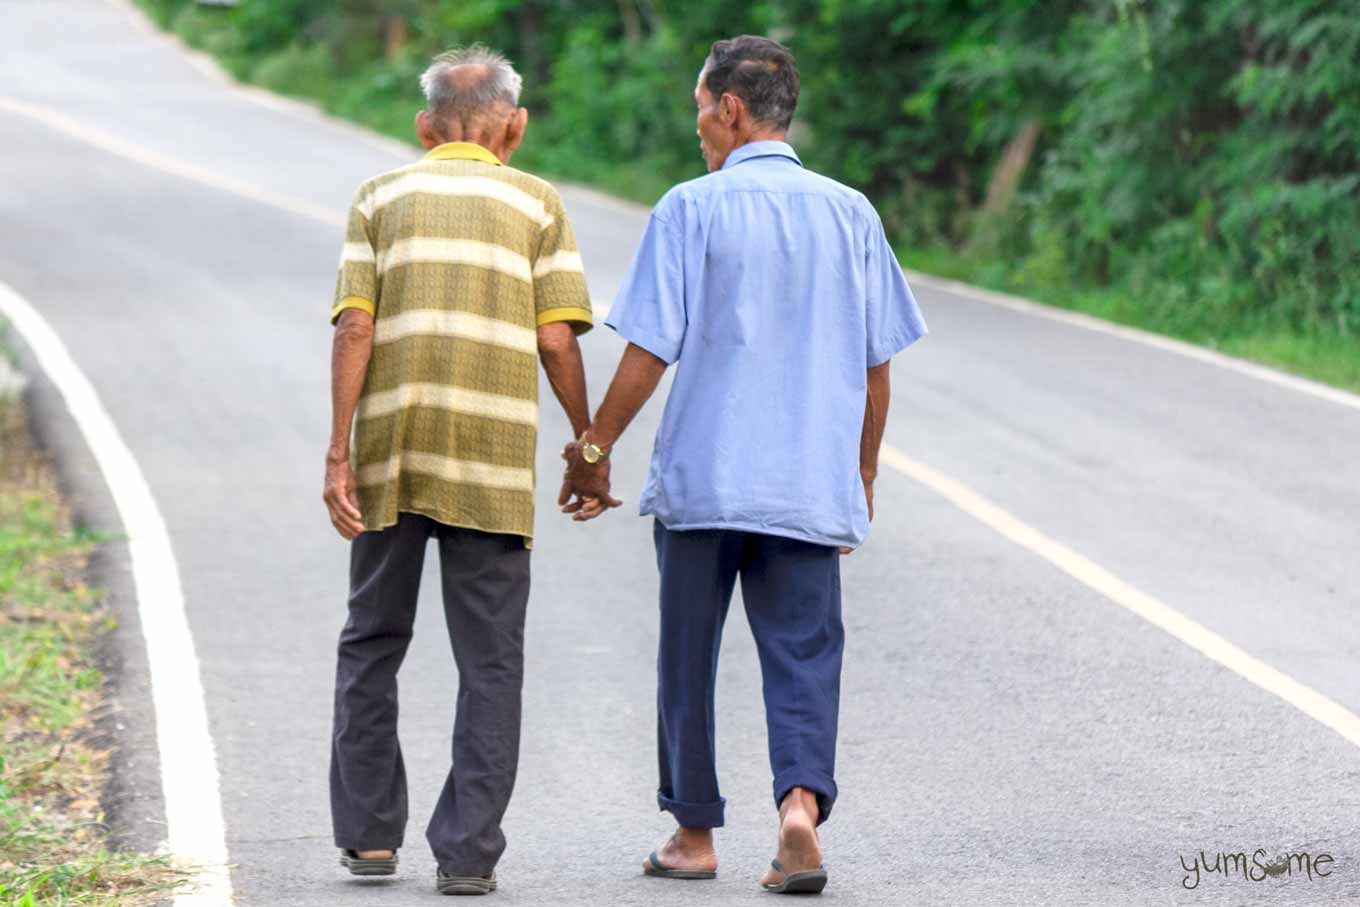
(298, 70)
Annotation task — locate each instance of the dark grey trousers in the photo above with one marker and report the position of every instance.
(486, 589)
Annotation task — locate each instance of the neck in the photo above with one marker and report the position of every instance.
(760, 135)
(478, 137)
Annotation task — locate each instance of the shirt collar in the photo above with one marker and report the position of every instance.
(462, 151)
(761, 149)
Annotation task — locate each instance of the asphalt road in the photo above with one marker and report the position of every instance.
(1009, 736)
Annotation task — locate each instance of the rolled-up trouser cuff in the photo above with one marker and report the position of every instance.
(693, 815)
(392, 843)
(820, 784)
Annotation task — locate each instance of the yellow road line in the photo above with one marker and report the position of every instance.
(1195, 635)
(111, 143)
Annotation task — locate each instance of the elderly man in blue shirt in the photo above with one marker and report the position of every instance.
(774, 292)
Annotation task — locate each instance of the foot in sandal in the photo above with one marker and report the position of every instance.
(797, 867)
(369, 862)
(453, 883)
(687, 854)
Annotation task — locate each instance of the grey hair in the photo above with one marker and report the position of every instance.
(468, 102)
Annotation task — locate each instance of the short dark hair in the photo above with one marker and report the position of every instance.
(759, 71)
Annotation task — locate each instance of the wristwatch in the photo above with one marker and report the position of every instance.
(591, 452)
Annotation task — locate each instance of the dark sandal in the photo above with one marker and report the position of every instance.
(656, 868)
(811, 881)
(445, 883)
(372, 866)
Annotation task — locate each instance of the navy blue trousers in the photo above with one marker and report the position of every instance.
(792, 593)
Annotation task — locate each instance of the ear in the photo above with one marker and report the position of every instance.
(515, 125)
(425, 131)
(729, 109)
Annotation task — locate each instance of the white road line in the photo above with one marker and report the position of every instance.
(1146, 338)
(193, 808)
(1199, 637)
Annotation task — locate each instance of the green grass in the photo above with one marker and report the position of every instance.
(51, 774)
(1330, 358)
(1323, 355)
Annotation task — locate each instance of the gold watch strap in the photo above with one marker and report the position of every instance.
(585, 442)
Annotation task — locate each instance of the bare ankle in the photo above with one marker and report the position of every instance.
(802, 801)
(694, 839)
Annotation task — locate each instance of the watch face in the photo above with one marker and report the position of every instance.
(590, 453)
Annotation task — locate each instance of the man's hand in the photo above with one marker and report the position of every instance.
(588, 482)
(636, 378)
(350, 353)
(868, 499)
(341, 497)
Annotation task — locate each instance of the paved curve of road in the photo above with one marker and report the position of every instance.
(1008, 736)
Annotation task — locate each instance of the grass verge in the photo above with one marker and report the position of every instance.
(52, 771)
(1325, 355)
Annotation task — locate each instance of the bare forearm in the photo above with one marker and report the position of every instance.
(638, 374)
(875, 420)
(561, 356)
(350, 353)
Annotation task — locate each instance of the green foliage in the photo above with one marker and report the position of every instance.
(912, 102)
(298, 70)
(1208, 163)
(204, 28)
(1201, 160)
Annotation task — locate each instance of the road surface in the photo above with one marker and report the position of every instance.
(1010, 734)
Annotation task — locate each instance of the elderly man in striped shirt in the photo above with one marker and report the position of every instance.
(459, 275)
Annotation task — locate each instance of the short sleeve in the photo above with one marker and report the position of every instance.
(356, 284)
(560, 292)
(893, 320)
(649, 310)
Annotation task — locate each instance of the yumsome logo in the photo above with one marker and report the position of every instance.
(1255, 868)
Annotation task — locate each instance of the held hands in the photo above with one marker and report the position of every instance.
(341, 497)
(588, 483)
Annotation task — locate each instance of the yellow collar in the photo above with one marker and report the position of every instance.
(462, 151)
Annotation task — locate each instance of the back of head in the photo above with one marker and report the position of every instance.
(469, 90)
(758, 70)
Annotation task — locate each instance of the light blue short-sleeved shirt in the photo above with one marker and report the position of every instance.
(772, 289)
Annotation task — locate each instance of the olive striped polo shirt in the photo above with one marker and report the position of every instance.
(458, 259)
